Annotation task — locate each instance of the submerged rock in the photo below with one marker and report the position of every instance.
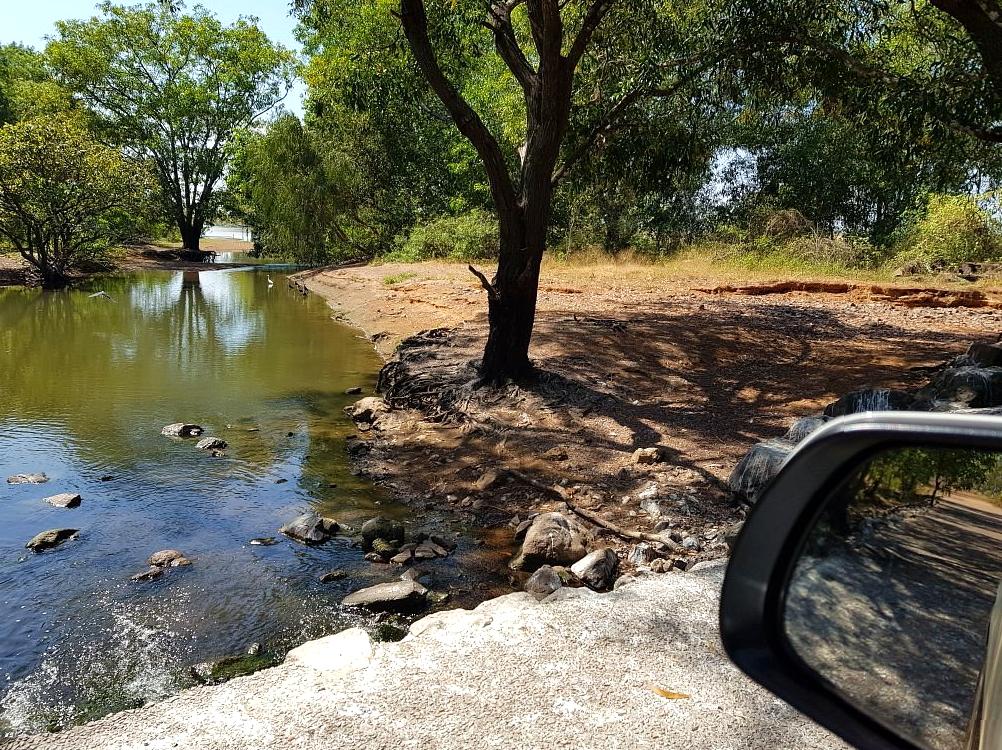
(543, 582)
(597, 570)
(353, 391)
(757, 468)
(211, 443)
(39, 478)
(965, 387)
(219, 670)
(381, 528)
(310, 528)
(367, 409)
(333, 575)
(395, 595)
(980, 354)
(64, 500)
(182, 430)
(552, 538)
(168, 558)
(804, 427)
(150, 574)
(51, 538)
(264, 541)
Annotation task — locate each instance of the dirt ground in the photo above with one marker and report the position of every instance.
(630, 356)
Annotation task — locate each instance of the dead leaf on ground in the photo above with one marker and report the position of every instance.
(668, 693)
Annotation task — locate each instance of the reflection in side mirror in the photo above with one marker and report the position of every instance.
(895, 602)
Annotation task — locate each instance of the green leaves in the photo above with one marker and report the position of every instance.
(174, 88)
(63, 196)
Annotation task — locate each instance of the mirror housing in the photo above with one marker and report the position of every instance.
(753, 599)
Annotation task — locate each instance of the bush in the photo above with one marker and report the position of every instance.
(953, 229)
(469, 236)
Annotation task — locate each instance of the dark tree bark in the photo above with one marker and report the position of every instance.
(524, 204)
(191, 234)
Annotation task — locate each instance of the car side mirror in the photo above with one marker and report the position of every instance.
(864, 587)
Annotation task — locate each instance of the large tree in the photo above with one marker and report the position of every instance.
(173, 87)
(64, 197)
(542, 45)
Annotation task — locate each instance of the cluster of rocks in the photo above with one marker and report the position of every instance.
(384, 541)
(49, 538)
(970, 383)
(189, 430)
(160, 562)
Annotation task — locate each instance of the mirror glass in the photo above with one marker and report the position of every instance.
(895, 597)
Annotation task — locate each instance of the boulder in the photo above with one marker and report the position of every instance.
(347, 651)
(552, 538)
(168, 558)
(64, 500)
(381, 528)
(39, 478)
(597, 570)
(870, 399)
(310, 528)
(982, 355)
(367, 409)
(395, 595)
(51, 538)
(653, 455)
(182, 430)
(757, 468)
(543, 582)
(210, 444)
(803, 427)
(333, 575)
(642, 554)
(965, 387)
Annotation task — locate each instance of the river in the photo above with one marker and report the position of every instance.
(87, 383)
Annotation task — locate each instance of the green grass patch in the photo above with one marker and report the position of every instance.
(396, 278)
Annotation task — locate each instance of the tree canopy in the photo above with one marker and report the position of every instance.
(173, 87)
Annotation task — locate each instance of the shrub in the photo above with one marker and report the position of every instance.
(469, 236)
(953, 229)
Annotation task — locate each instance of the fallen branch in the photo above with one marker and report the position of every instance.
(548, 489)
(640, 536)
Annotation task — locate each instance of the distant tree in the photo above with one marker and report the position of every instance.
(173, 88)
(64, 197)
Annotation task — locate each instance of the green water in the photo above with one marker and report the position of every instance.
(86, 383)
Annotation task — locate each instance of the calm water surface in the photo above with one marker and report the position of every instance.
(85, 386)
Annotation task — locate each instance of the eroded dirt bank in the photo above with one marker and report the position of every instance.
(630, 358)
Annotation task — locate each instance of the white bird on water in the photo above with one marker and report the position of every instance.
(102, 293)
(270, 282)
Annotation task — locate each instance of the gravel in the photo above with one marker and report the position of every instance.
(577, 670)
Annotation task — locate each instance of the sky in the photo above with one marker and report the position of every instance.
(35, 19)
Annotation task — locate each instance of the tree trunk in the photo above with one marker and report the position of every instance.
(512, 303)
(191, 234)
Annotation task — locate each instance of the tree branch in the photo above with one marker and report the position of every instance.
(593, 18)
(492, 293)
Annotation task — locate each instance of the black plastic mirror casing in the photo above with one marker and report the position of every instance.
(753, 595)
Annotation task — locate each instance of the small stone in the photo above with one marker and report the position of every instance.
(310, 528)
(333, 575)
(660, 565)
(653, 455)
(395, 595)
(556, 454)
(381, 528)
(402, 558)
(642, 554)
(384, 548)
(211, 443)
(49, 539)
(165, 557)
(107, 478)
(374, 557)
(254, 649)
(264, 541)
(182, 430)
(353, 391)
(691, 543)
(442, 541)
(283, 480)
(64, 500)
(487, 480)
(543, 582)
(437, 597)
(367, 409)
(39, 478)
(150, 574)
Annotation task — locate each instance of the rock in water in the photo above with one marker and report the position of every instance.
(51, 538)
(39, 478)
(870, 399)
(971, 387)
(395, 595)
(597, 569)
(168, 558)
(264, 541)
(353, 391)
(757, 468)
(981, 355)
(64, 500)
(333, 575)
(367, 409)
(220, 670)
(310, 528)
(381, 528)
(150, 574)
(803, 427)
(552, 538)
(543, 582)
(182, 429)
(211, 443)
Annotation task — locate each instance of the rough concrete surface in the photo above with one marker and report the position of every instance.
(577, 670)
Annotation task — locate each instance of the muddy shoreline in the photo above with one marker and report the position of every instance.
(633, 363)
